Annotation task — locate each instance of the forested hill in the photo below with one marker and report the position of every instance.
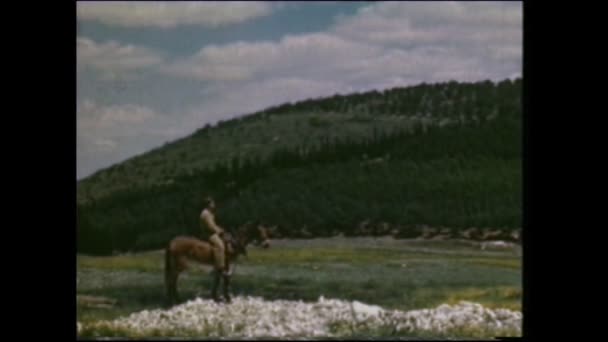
(446, 154)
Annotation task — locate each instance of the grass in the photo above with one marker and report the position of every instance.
(395, 274)
(145, 262)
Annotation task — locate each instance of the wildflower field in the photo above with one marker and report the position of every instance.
(317, 288)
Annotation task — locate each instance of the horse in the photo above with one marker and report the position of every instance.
(182, 249)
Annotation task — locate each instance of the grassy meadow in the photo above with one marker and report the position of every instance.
(393, 274)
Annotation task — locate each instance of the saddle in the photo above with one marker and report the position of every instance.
(228, 242)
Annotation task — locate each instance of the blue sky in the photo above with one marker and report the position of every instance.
(152, 72)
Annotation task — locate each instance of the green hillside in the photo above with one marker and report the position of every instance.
(444, 154)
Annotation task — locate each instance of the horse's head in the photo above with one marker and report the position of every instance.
(236, 245)
(256, 234)
(262, 238)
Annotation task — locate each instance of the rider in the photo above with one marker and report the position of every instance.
(214, 234)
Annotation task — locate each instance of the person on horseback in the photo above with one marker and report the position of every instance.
(214, 234)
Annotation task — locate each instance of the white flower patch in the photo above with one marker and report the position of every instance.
(467, 315)
(253, 317)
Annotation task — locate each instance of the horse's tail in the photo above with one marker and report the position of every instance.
(169, 271)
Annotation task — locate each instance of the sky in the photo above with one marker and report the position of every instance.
(153, 72)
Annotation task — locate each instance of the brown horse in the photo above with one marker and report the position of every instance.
(182, 249)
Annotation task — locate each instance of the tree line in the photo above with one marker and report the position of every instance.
(457, 176)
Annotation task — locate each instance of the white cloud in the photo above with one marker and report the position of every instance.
(102, 131)
(448, 23)
(105, 144)
(128, 114)
(208, 71)
(107, 134)
(221, 102)
(507, 52)
(93, 116)
(113, 59)
(307, 55)
(171, 14)
(445, 13)
(388, 39)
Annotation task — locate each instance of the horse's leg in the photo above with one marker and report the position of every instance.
(172, 287)
(181, 266)
(216, 280)
(171, 282)
(172, 271)
(227, 288)
(174, 293)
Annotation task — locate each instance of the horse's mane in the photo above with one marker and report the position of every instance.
(246, 230)
(242, 236)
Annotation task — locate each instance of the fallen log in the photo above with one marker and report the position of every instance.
(95, 301)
